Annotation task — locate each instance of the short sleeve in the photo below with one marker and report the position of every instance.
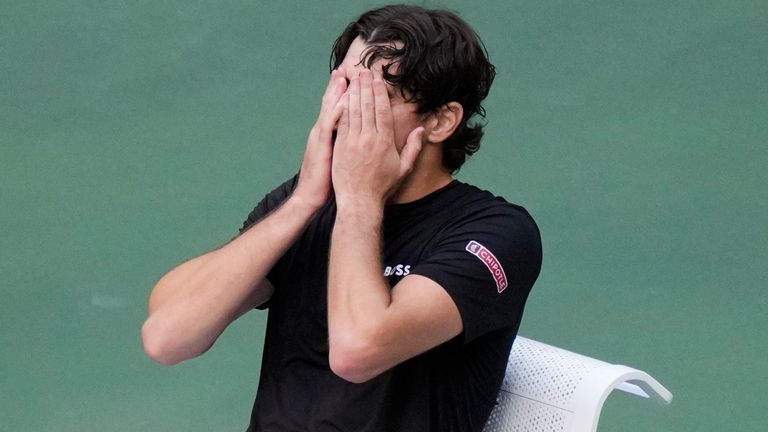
(269, 203)
(487, 262)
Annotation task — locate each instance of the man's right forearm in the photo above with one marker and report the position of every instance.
(193, 303)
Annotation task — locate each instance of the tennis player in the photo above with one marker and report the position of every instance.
(394, 291)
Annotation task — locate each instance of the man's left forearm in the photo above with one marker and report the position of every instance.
(358, 294)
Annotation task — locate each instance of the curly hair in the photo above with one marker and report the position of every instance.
(438, 58)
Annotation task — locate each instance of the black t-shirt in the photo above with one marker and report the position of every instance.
(484, 251)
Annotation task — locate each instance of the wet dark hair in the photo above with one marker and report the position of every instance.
(440, 60)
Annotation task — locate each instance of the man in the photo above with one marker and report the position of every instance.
(394, 291)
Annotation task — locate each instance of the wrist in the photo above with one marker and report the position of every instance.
(303, 206)
(365, 212)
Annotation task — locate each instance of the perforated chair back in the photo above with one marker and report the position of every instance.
(549, 389)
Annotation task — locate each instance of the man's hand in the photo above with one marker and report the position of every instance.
(371, 326)
(367, 167)
(314, 186)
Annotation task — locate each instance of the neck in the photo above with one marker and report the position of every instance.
(426, 178)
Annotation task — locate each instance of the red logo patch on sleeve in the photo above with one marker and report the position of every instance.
(491, 262)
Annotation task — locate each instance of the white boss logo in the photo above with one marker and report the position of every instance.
(398, 270)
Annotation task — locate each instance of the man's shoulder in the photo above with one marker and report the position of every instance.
(477, 202)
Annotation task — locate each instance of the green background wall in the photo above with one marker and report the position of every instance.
(136, 134)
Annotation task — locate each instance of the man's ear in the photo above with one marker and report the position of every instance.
(444, 122)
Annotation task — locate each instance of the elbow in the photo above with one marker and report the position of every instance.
(353, 362)
(347, 366)
(158, 346)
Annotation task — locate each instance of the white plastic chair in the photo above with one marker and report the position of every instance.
(549, 389)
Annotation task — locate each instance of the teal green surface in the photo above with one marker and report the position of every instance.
(134, 135)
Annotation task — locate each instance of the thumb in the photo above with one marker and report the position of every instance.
(411, 151)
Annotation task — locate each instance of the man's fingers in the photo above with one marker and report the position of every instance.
(383, 110)
(342, 110)
(332, 121)
(355, 116)
(327, 119)
(331, 100)
(411, 151)
(336, 80)
(368, 122)
(336, 87)
(327, 95)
